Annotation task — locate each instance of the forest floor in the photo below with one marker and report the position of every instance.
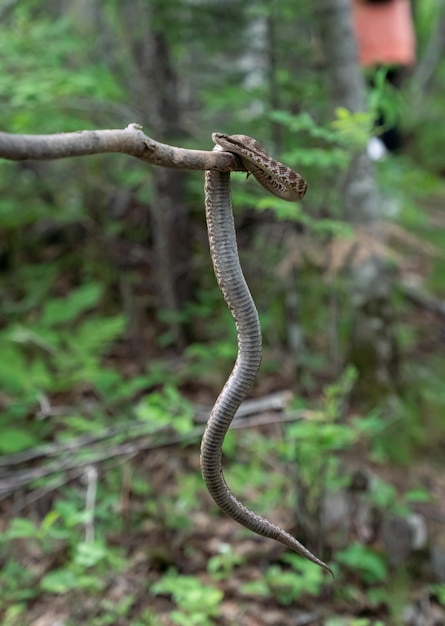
(151, 548)
(169, 558)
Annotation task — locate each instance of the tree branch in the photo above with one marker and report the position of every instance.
(130, 140)
(64, 456)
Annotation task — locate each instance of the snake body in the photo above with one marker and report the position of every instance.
(285, 183)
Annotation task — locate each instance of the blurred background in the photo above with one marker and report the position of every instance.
(115, 339)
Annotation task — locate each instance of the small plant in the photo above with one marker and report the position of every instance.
(197, 603)
(56, 345)
(13, 615)
(16, 584)
(86, 561)
(148, 618)
(167, 408)
(287, 585)
(439, 592)
(311, 449)
(366, 562)
(221, 565)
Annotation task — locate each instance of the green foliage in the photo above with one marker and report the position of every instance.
(201, 358)
(197, 603)
(366, 562)
(384, 100)
(86, 563)
(167, 408)
(335, 142)
(439, 591)
(353, 129)
(54, 348)
(222, 565)
(36, 84)
(14, 614)
(43, 534)
(61, 581)
(387, 498)
(16, 584)
(289, 585)
(73, 234)
(16, 439)
(312, 443)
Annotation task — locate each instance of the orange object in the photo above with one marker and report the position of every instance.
(384, 32)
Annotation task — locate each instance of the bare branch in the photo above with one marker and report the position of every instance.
(130, 140)
(66, 457)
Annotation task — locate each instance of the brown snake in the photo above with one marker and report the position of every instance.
(289, 185)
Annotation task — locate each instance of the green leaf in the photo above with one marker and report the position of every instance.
(418, 495)
(59, 311)
(49, 521)
(256, 588)
(13, 368)
(22, 528)
(59, 581)
(14, 440)
(89, 554)
(371, 565)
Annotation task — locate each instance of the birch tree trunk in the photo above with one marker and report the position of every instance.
(373, 346)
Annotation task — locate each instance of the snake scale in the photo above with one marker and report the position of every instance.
(283, 182)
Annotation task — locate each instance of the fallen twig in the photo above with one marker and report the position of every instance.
(69, 456)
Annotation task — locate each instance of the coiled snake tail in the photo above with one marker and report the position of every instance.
(224, 253)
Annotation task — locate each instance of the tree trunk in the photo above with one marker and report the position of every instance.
(168, 211)
(346, 87)
(373, 346)
(157, 93)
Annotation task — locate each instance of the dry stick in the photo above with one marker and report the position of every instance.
(130, 140)
(91, 474)
(142, 442)
(277, 401)
(132, 429)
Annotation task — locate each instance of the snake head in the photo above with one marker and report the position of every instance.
(280, 180)
(237, 143)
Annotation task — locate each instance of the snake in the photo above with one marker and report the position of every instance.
(287, 184)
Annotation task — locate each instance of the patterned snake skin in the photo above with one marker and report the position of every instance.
(284, 183)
